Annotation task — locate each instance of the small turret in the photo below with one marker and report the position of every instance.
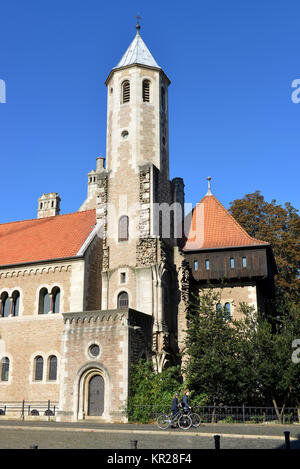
(49, 205)
(90, 202)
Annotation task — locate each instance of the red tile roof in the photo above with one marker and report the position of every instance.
(45, 238)
(212, 227)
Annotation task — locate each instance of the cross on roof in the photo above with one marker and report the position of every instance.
(138, 18)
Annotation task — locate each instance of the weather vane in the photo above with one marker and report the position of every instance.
(138, 18)
(208, 180)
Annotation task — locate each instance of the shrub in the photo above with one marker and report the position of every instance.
(151, 393)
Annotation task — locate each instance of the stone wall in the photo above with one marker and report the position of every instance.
(30, 279)
(110, 330)
(22, 339)
(93, 268)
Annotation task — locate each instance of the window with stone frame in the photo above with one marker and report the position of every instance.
(52, 368)
(126, 91)
(55, 299)
(5, 305)
(38, 368)
(123, 234)
(123, 277)
(227, 310)
(15, 303)
(146, 91)
(44, 301)
(123, 300)
(4, 369)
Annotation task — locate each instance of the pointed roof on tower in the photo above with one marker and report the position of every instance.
(137, 53)
(211, 226)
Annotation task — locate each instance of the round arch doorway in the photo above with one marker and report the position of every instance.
(95, 396)
(92, 393)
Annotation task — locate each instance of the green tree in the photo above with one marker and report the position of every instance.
(280, 226)
(215, 363)
(273, 376)
(248, 360)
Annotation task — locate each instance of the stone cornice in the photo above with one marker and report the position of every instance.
(157, 69)
(35, 270)
(105, 317)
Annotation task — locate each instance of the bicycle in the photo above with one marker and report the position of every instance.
(183, 421)
(195, 418)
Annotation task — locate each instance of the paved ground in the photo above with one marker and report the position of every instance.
(50, 435)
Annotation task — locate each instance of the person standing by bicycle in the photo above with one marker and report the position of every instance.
(185, 402)
(175, 407)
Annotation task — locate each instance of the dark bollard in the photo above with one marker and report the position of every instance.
(217, 441)
(34, 447)
(133, 444)
(287, 440)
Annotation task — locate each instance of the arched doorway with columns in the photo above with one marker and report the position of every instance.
(93, 393)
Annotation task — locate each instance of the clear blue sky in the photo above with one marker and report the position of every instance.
(231, 64)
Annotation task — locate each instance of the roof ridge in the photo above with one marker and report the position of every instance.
(233, 219)
(45, 218)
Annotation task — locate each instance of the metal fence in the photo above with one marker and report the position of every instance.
(227, 414)
(26, 408)
(247, 414)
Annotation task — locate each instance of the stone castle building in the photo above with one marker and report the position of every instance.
(83, 295)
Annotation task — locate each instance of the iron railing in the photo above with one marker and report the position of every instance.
(226, 414)
(29, 408)
(247, 414)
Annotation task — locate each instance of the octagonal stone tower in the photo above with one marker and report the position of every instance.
(137, 262)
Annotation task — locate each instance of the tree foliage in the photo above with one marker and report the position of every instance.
(215, 363)
(279, 226)
(268, 341)
(242, 361)
(150, 391)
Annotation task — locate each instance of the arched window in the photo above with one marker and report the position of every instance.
(219, 307)
(227, 309)
(123, 301)
(52, 370)
(4, 369)
(123, 228)
(5, 305)
(163, 98)
(125, 92)
(44, 301)
(146, 91)
(38, 368)
(15, 303)
(55, 299)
